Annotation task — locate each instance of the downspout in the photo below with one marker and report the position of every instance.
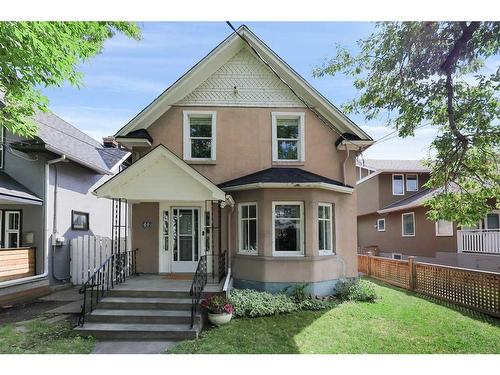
(343, 165)
(54, 219)
(342, 264)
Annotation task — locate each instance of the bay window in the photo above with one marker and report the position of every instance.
(247, 213)
(288, 228)
(325, 228)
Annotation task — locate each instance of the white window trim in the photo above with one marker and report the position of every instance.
(397, 256)
(402, 180)
(330, 250)
(403, 225)
(378, 226)
(448, 234)
(301, 141)
(406, 182)
(299, 253)
(187, 138)
(240, 237)
(16, 231)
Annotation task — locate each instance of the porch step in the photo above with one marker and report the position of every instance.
(141, 303)
(140, 316)
(148, 293)
(119, 331)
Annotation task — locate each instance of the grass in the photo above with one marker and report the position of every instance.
(43, 338)
(399, 322)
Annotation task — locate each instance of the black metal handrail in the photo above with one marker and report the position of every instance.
(114, 270)
(222, 265)
(199, 281)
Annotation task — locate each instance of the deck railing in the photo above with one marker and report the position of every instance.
(482, 241)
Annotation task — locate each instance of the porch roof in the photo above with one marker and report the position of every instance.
(13, 192)
(160, 175)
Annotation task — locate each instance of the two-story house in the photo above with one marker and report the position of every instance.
(46, 199)
(241, 156)
(392, 218)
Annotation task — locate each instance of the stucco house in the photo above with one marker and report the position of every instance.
(392, 218)
(46, 199)
(242, 156)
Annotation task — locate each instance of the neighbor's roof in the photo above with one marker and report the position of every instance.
(395, 165)
(60, 137)
(283, 177)
(218, 57)
(11, 190)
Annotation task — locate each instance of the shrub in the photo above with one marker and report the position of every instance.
(298, 292)
(314, 304)
(358, 290)
(251, 303)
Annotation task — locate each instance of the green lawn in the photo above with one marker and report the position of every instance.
(43, 338)
(399, 322)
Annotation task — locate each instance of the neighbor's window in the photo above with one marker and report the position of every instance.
(12, 232)
(288, 228)
(199, 135)
(288, 136)
(444, 228)
(248, 228)
(408, 224)
(398, 187)
(325, 228)
(411, 182)
(381, 225)
(79, 220)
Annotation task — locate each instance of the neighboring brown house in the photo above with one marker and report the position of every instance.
(229, 158)
(392, 217)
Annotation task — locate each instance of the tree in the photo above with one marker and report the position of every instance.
(432, 73)
(44, 54)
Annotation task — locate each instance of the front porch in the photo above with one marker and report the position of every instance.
(143, 284)
(479, 241)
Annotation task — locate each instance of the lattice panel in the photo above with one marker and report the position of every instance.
(257, 86)
(478, 290)
(392, 271)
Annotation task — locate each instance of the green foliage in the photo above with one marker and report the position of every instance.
(314, 304)
(43, 338)
(356, 290)
(298, 292)
(251, 303)
(417, 74)
(45, 54)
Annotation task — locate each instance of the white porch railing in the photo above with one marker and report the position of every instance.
(485, 241)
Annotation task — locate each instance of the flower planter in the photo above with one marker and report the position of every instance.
(219, 319)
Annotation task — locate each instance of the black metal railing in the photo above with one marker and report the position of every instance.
(114, 270)
(199, 281)
(222, 268)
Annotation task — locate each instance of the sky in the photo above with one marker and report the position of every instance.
(129, 74)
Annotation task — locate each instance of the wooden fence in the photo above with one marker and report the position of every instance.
(87, 254)
(16, 263)
(478, 290)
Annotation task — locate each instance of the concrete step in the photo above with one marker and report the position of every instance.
(139, 316)
(147, 293)
(140, 303)
(118, 331)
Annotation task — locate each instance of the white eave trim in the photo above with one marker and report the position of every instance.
(354, 145)
(78, 160)
(133, 142)
(291, 185)
(400, 208)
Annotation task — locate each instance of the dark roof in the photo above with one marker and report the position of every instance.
(60, 137)
(347, 136)
(280, 175)
(12, 190)
(139, 133)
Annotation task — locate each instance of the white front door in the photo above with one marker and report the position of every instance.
(185, 233)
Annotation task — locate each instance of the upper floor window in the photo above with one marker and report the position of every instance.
(247, 213)
(411, 182)
(325, 228)
(398, 185)
(288, 136)
(199, 135)
(79, 220)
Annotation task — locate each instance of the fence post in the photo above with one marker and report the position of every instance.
(369, 266)
(411, 273)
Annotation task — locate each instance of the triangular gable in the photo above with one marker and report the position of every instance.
(160, 176)
(219, 56)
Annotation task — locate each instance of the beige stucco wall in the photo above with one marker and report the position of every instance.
(146, 239)
(244, 142)
(425, 243)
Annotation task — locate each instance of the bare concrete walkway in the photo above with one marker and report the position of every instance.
(132, 347)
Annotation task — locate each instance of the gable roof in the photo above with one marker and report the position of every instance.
(219, 56)
(395, 165)
(281, 177)
(60, 137)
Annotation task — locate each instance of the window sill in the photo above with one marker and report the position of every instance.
(201, 162)
(291, 162)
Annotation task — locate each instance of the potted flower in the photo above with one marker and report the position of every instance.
(220, 311)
